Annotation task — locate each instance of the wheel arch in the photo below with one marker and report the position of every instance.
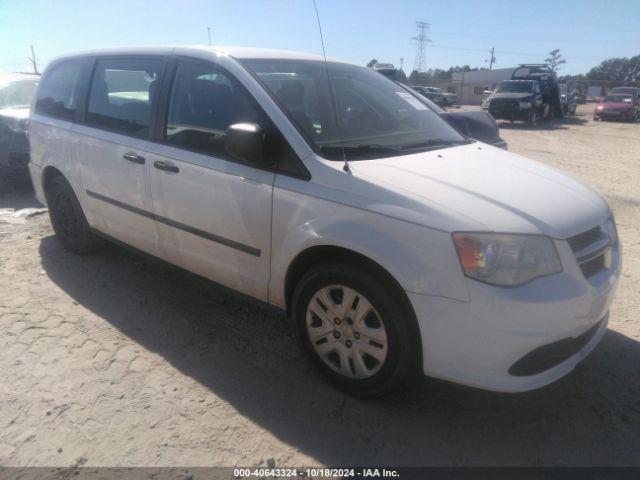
(322, 254)
(48, 173)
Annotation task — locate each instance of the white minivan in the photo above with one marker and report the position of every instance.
(395, 244)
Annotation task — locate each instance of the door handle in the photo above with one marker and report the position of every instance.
(132, 157)
(167, 167)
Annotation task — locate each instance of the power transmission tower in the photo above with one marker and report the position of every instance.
(32, 59)
(421, 45)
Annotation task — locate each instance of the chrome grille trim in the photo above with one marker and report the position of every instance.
(591, 248)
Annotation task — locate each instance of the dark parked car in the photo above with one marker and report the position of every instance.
(519, 100)
(16, 92)
(477, 125)
(617, 106)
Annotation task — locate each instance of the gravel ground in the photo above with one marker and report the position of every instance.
(118, 360)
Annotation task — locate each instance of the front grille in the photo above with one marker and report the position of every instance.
(591, 267)
(501, 105)
(583, 240)
(591, 248)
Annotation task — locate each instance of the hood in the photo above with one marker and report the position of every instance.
(516, 96)
(479, 187)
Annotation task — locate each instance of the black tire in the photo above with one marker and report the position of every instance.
(402, 360)
(68, 220)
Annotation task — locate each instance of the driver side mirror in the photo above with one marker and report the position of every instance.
(244, 141)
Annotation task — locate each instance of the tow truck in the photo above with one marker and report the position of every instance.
(531, 94)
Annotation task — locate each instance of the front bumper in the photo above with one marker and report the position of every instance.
(510, 114)
(621, 115)
(477, 342)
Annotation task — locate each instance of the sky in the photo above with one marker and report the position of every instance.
(462, 32)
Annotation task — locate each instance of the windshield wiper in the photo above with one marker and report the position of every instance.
(359, 149)
(434, 142)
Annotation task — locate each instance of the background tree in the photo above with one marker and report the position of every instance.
(617, 70)
(372, 62)
(555, 59)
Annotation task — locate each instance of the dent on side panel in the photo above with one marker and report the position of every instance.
(422, 260)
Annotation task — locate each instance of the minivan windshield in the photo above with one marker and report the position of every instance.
(517, 86)
(363, 115)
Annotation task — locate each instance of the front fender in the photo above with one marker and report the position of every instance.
(421, 259)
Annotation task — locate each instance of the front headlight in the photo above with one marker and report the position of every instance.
(525, 105)
(610, 229)
(506, 260)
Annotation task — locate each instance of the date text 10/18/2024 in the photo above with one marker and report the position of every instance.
(316, 472)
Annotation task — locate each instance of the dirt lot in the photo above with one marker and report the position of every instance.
(113, 359)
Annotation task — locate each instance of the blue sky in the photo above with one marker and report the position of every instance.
(462, 32)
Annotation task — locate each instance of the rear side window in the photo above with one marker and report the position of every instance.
(57, 93)
(204, 102)
(123, 93)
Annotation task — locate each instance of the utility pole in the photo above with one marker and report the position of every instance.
(33, 61)
(492, 58)
(421, 45)
(401, 62)
(209, 34)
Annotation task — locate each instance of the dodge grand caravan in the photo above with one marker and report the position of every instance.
(394, 243)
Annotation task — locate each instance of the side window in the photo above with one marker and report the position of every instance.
(57, 93)
(122, 94)
(204, 102)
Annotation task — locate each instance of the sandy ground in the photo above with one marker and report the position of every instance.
(116, 360)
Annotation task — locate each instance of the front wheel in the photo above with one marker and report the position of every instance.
(357, 333)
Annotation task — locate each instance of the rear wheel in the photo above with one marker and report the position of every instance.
(68, 220)
(359, 335)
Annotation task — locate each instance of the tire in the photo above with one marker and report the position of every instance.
(364, 364)
(68, 220)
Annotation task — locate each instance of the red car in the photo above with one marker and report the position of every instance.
(617, 106)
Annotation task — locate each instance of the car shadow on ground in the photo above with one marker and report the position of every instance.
(244, 354)
(553, 124)
(17, 194)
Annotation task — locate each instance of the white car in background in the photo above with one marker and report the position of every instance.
(394, 243)
(450, 98)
